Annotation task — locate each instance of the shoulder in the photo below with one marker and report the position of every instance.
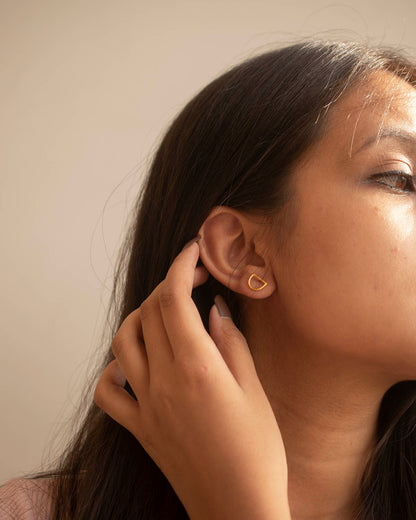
(26, 499)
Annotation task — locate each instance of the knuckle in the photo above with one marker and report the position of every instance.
(196, 373)
(168, 297)
(118, 344)
(232, 335)
(98, 395)
(161, 390)
(145, 309)
(202, 374)
(164, 397)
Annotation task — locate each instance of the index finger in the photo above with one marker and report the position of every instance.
(183, 323)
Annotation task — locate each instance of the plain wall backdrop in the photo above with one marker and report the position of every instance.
(87, 88)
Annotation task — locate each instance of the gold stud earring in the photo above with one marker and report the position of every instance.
(259, 279)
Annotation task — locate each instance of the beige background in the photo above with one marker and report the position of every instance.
(86, 88)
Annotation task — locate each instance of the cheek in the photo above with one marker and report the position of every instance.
(350, 280)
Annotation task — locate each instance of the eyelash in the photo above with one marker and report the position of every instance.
(410, 186)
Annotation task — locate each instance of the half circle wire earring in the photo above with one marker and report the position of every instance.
(254, 275)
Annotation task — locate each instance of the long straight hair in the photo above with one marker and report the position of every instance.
(235, 144)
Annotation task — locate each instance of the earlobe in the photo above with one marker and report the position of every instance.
(251, 282)
(230, 250)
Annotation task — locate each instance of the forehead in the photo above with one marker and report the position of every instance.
(385, 100)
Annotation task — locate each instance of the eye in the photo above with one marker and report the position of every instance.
(396, 180)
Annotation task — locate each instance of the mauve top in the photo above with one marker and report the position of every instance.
(25, 499)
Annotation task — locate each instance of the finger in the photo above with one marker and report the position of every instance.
(129, 350)
(200, 276)
(180, 315)
(116, 402)
(158, 348)
(144, 349)
(231, 343)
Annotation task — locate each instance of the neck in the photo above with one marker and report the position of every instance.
(326, 407)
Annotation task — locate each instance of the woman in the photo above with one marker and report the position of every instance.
(292, 396)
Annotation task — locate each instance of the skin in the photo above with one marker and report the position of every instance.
(201, 412)
(344, 298)
(333, 329)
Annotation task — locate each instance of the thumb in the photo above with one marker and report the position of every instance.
(231, 343)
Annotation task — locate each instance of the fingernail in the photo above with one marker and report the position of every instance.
(191, 242)
(222, 307)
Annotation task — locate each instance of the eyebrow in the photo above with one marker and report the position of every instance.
(403, 136)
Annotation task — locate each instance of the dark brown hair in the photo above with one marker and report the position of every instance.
(234, 144)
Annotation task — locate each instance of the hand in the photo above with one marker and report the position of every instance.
(201, 412)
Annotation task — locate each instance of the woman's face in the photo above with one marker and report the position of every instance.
(347, 275)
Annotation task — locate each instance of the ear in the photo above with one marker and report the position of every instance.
(232, 250)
